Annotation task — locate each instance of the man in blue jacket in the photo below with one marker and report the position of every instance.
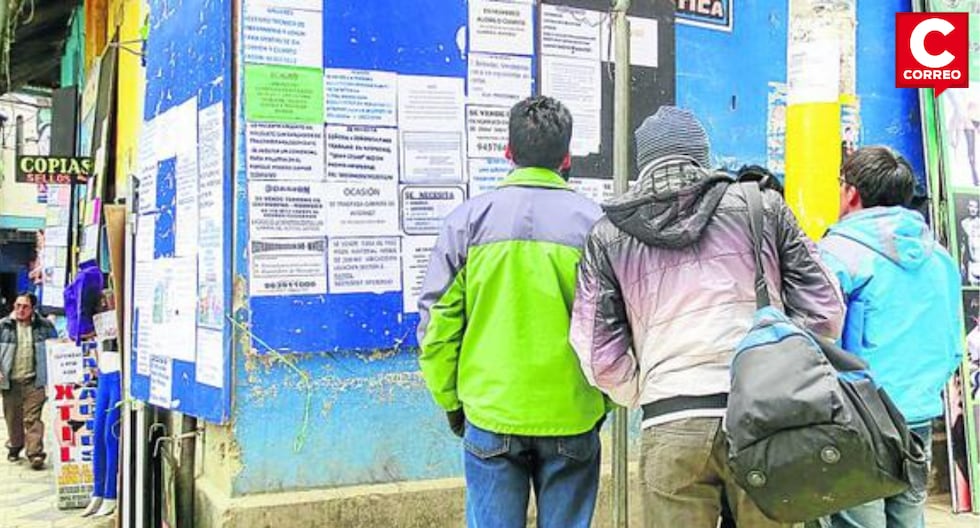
(903, 307)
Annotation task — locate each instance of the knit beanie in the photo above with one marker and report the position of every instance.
(671, 132)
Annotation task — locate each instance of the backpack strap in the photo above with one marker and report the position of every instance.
(754, 198)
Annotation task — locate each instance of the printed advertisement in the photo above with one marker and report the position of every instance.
(295, 266)
(365, 265)
(71, 390)
(425, 207)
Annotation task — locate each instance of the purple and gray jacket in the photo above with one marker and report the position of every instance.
(665, 292)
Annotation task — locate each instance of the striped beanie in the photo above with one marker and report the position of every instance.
(671, 132)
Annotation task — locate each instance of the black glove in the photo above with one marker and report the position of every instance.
(457, 421)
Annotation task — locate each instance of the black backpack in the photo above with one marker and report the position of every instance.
(809, 432)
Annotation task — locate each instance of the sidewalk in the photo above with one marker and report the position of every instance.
(938, 515)
(28, 500)
(27, 497)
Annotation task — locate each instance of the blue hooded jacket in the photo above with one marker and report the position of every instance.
(904, 311)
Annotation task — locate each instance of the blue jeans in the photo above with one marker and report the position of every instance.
(500, 470)
(906, 510)
(105, 452)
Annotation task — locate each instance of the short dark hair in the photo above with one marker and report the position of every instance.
(540, 132)
(31, 298)
(881, 177)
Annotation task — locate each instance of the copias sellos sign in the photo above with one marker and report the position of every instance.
(57, 170)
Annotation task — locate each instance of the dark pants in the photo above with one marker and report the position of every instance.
(22, 406)
(501, 469)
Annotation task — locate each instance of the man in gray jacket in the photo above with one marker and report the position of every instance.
(665, 292)
(23, 375)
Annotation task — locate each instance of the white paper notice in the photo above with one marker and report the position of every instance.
(146, 228)
(279, 209)
(432, 157)
(56, 235)
(161, 381)
(106, 325)
(425, 207)
(362, 208)
(65, 363)
(211, 206)
(54, 275)
(174, 307)
(498, 79)
(501, 27)
(283, 152)
(210, 364)
(362, 153)
(360, 97)
(184, 133)
(144, 343)
(416, 251)
(289, 266)
(148, 167)
(487, 173)
(283, 35)
(365, 265)
(578, 84)
(430, 103)
(90, 242)
(598, 190)
(813, 71)
(570, 32)
(643, 42)
(487, 130)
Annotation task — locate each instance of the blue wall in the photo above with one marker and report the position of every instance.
(889, 116)
(371, 419)
(724, 78)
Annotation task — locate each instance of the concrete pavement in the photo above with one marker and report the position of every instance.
(28, 500)
(27, 497)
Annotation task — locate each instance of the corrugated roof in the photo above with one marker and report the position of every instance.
(40, 28)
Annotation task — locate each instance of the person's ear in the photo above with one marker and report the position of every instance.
(509, 154)
(853, 198)
(566, 164)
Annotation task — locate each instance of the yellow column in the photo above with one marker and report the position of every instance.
(820, 63)
(813, 158)
(127, 18)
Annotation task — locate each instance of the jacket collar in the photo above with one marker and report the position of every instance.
(534, 177)
(9, 320)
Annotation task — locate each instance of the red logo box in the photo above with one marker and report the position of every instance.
(932, 50)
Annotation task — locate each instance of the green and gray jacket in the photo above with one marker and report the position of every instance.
(495, 309)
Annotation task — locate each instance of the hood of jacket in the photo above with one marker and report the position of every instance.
(672, 219)
(896, 233)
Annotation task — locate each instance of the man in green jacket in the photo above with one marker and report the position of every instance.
(495, 311)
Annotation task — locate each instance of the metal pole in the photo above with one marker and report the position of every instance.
(621, 167)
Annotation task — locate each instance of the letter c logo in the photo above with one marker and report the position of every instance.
(918, 39)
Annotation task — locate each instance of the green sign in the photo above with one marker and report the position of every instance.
(283, 94)
(57, 170)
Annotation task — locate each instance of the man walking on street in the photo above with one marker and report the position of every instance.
(23, 375)
(903, 307)
(666, 292)
(495, 309)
